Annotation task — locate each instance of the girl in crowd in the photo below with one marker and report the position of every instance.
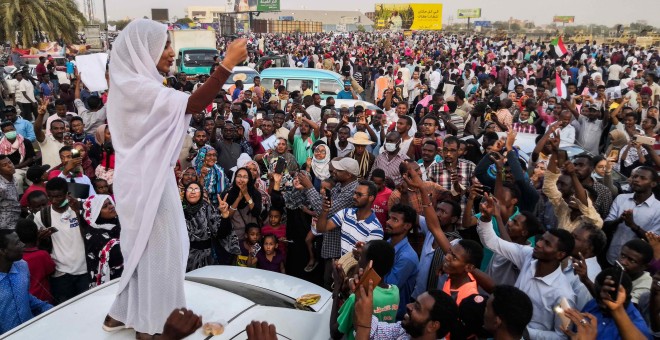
(244, 202)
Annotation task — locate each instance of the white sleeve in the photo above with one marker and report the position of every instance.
(512, 251)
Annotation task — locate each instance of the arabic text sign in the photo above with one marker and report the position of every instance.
(408, 16)
(565, 19)
(471, 13)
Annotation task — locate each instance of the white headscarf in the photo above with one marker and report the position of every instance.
(148, 123)
(92, 209)
(321, 167)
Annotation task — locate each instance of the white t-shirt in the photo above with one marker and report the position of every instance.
(50, 151)
(27, 87)
(614, 71)
(68, 246)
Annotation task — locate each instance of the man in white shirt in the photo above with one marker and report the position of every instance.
(540, 277)
(60, 223)
(435, 78)
(590, 241)
(518, 80)
(50, 145)
(24, 96)
(566, 130)
(614, 73)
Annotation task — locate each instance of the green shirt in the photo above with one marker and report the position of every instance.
(302, 149)
(386, 303)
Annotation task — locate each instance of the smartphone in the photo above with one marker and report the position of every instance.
(618, 276)
(486, 188)
(75, 153)
(419, 134)
(351, 119)
(644, 140)
(260, 116)
(328, 195)
(279, 166)
(559, 310)
(299, 115)
(614, 153)
(562, 157)
(370, 275)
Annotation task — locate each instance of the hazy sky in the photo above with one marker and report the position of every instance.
(607, 12)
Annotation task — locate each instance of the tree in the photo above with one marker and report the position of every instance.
(184, 21)
(119, 23)
(361, 28)
(30, 20)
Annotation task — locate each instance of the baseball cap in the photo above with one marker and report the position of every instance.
(347, 164)
(347, 83)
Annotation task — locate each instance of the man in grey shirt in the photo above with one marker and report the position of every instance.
(10, 209)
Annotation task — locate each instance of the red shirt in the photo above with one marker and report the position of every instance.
(380, 205)
(41, 266)
(31, 188)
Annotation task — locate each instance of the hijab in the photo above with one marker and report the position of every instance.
(150, 123)
(215, 181)
(88, 168)
(92, 211)
(191, 209)
(99, 134)
(321, 168)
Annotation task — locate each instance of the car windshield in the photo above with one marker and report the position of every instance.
(198, 58)
(247, 75)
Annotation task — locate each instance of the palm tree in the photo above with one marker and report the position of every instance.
(27, 21)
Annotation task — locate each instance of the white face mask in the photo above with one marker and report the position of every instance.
(390, 147)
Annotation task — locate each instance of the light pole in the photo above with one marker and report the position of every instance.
(105, 19)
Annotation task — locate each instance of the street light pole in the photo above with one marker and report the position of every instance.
(105, 19)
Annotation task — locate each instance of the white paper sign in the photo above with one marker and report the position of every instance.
(91, 68)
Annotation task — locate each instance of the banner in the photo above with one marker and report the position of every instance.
(397, 17)
(565, 19)
(241, 6)
(471, 13)
(483, 24)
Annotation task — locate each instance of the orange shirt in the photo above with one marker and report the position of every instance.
(463, 291)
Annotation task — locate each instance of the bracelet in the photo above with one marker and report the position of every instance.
(232, 208)
(363, 326)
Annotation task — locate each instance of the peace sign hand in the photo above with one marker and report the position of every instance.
(43, 107)
(223, 206)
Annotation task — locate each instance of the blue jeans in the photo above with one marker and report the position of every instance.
(68, 286)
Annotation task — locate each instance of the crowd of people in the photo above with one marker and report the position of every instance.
(467, 234)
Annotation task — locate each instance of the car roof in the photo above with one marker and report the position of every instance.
(351, 103)
(250, 294)
(243, 69)
(292, 72)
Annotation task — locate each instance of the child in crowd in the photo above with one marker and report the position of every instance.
(101, 186)
(276, 227)
(249, 246)
(270, 258)
(40, 264)
(326, 185)
(635, 257)
(459, 265)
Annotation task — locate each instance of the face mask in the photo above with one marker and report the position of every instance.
(64, 203)
(551, 107)
(390, 147)
(596, 176)
(11, 135)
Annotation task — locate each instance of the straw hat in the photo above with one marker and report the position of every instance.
(239, 76)
(360, 138)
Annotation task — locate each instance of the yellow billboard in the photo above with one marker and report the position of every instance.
(398, 17)
(472, 13)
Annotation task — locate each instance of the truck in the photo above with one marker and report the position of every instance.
(194, 50)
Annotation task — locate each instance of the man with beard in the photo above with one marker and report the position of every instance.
(358, 223)
(540, 275)
(228, 149)
(402, 219)
(196, 122)
(261, 144)
(50, 145)
(431, 316)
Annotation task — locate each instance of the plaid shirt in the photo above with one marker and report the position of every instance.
(439, 174)
(524, 128)
(391, 167)
(342, 198)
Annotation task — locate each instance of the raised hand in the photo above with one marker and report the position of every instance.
(180, 324)
(236, 53)
(223, 206)
(487, 207)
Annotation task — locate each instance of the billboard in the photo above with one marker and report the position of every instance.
(483, 23)
(399, 17)
(256, 6)
(564, 18)
(471, 13)
(160, 14)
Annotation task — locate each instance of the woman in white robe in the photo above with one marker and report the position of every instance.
(148, 122)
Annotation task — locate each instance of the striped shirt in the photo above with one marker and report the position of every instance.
(354, 231)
